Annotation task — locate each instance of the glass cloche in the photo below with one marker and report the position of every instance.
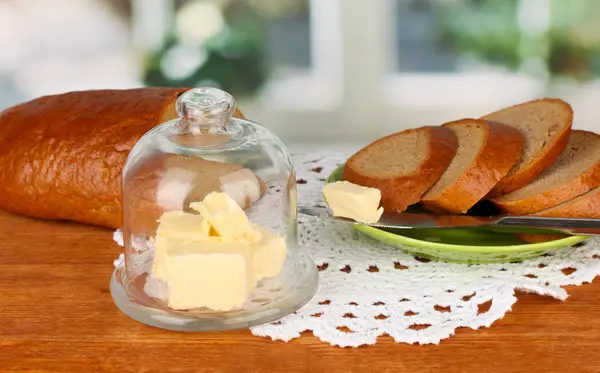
(209, 223)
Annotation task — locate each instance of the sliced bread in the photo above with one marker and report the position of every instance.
(545, 125)
(486, 152)
(576, 171)
(540, 237)
(586, 206)
(404, 165)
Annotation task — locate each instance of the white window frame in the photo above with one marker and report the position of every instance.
(352, 90)
(367, 86)
(296, 91)
(292, 91)
(426, 91)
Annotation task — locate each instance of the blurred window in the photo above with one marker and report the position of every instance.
(326, 69)
(482, 52)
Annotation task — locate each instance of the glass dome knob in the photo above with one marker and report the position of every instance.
(206, 107)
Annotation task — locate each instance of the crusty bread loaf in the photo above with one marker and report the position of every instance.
(576, 171)
(586, 206)
(61, 156)
(404, 165)
(486, 152)
(546, 125)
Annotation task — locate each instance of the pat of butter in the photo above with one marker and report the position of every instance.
(220, 238)
(175, 225)
(215, 281)
(353, 201)
(183, 247)
(268, 256)
(226, 217)
(182, 225)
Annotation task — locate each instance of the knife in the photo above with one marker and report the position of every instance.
(407, 220)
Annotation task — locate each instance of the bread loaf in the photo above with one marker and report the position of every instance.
(576, 171)
(545, 125)
(61, 156)
(486, 152)
(403, 166)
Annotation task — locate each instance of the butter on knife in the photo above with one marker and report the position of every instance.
(348, 200)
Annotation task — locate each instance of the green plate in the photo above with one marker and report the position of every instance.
(469, 245)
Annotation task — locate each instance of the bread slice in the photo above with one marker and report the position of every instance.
(586, 206)
(576, 171)
(545, 124)
(404, 165)
(486, 152)
(61, 156)
(540, 237)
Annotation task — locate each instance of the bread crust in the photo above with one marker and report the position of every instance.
(397, 193)
(586, 207)
(501, 150)
(534, 238)
(580, 185)
(61, 156)
(545, 159)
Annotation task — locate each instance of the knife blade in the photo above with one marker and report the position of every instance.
(406, 220)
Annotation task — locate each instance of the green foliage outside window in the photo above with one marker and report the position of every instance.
(489, 31)
(234, 59)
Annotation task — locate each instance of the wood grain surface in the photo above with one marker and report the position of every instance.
(58, 316)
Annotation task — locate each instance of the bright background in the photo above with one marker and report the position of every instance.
(314, 71)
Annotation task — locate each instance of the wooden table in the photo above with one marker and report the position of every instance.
(58, 316)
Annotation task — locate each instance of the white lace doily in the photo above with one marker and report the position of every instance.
(368, 289)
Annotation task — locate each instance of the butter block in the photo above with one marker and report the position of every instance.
(182, 225)
(226, 217)
(181, 247)
(215, 281)
(176, 225)
(242, 249)
(214, 259)
(353, 201)
(269, 255)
